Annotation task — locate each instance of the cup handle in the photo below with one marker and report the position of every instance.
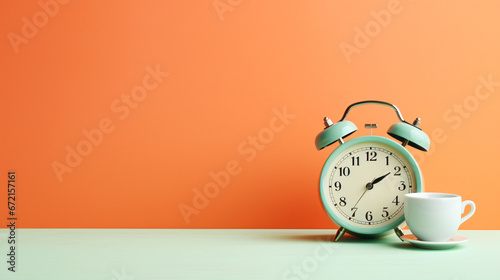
(471, 212)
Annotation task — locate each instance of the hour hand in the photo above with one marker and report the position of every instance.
(369, 186)
(380, 178)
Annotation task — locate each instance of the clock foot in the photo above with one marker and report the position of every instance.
(340, 233)
(399, 233)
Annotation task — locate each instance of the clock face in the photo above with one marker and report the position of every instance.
(363, 184)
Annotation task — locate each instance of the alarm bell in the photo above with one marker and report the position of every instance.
(334, 132)
(410, 134)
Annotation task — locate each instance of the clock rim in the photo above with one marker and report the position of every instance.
(340, 221)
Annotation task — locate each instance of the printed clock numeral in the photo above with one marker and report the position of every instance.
(398, 170)
(342, 201)
(369, 216)
(371, 156)
(396, 200)
(402, 187)
(337, 185)
(344, 171)
(385, 214)
(354, 209)
(355, 161)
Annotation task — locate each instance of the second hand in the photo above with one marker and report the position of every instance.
(359, 199)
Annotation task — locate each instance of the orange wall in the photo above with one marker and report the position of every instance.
(172, 92)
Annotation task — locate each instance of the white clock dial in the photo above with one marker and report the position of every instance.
(367, 183)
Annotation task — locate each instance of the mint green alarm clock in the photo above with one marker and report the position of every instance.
(363, 181)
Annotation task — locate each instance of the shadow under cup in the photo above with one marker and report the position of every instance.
(435, 217)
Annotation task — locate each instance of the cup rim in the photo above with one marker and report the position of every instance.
(432, 195)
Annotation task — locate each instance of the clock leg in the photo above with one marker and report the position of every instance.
(399, 233)
(340, 233)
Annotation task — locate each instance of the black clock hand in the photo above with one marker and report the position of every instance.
(380, 178)
(369, 186)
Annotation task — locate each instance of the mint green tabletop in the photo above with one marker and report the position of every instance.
(146, 254)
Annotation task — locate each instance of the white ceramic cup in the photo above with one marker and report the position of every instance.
(435, 216)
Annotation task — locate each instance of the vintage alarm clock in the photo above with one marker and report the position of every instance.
(363, 181)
